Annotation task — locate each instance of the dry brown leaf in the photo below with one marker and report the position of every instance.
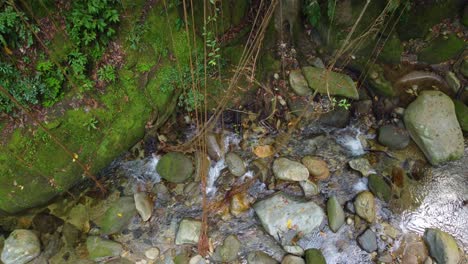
(264, 151)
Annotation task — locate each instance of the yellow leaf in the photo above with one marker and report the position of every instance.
(119, 214)
(264, 151)
(289, 224)
(7, 50)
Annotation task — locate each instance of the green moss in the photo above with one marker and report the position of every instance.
(60, 47)
(462, 114)
(442, 49)
(391, 53)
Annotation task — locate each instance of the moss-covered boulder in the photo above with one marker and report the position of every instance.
(175, 167)
(100, 248)
(329, 82)
(461, 110)
(118, 215)
(442, 49)
(314, 256)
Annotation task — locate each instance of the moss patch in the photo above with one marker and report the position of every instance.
(442, 49)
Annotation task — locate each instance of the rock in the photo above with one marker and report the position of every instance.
(197, 260)
(461, 110)
(452, 81)
(280, 214)
(442, 246)
(259, 257)
(298, 83)
(288, 170)
(379, 83)
(318, 63)
(213, 147)
(338, 117)
(20, 247)
(309, 188)
(71, 235)
(428, 261)
(235, 164)
(46, 223)
(362, 165)
(335, 213)
(365, 206)
(294, 250)
(100, 249)
(442, 49)
(239, 204)
(227, 252)
(189, 232)
(432, 124)
(318, 168)
(314, 256)
(291, 259)
(143, 205)
(368, 241)
(336, 83)
(389, 230)
(152, 253)
(393, 137)
(379, 187)
(118, 216)
(175, 167)
(363, 107)
(79, 217)
(464, 66)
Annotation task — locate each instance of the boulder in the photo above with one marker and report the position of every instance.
(379, 187)
(118, 216)
(288, 170)
(20, 247)
(335, 213)
(442, 49)
(364, 204)
(100, 248)
(318, 168)
(433, 125)
(393, 137)
(329, 82)
(298, 83)
(227, 252)
(189, 232)
(175, 167)
(442, 246)
(235, 164)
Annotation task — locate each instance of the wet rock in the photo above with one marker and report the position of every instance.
(235, 164)
(329, 82)
(118, 215)
(379, 187)
(363, 107)
(309, 188)
(175, 167)
(389, 230)
(393, 137)
(314, 256)
(143, 205)
(71, 235)
(364, 204)
(100, 248)
(291, 259)
(442, 246)
(464, 67)
(298, 83)
(362, 165)
(182, 258)
(20, 247)
(338, 117)
(432, 124)
(239, 204)
(280, 214)
(452, 81)
(379, 83)
(288, 170)
(197, 260)
(227, 252)
(189, 232)
(368, 241)
(213, 147)
(349, 206)
(52, 244)
(461, 110)
(442, 49)
(318, 63)
(259, 257)
(294, 250)
(152, 253)
(335, 213)
(79, 217)
(318, 168)
(46, 223)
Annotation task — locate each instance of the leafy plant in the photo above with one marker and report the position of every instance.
(91, 123)
(343, 103)
(77, 62)
(106, 73)
(312, 12)
(144, 67)
(135, 35)
(190, 100)
(13, 32)
(52, 78)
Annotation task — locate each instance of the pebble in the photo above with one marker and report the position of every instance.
(152, 253)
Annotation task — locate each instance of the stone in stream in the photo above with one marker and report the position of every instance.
(118, 215)
(329, 82)
(294, 250)
(100, 248)
(379, 187)
(442, 246)
(189, 232)
(227, 252)
(362, 165)
(259, 257)
(314, 256)
(280, 214)
(239, 204)
(309, 188)
(291, 259)
(318, 168)
(235, 164)
(213, 147)
(20, 247)
(299, 83)
(152, 253)
(368, 241)
(452, 81)
(288, 170)
(336, 216)
(433, 125)
(461, 111)
(364, 204)
(393, 137)
(197, 259)
(143, 205)
(175, 167)
(79, 217)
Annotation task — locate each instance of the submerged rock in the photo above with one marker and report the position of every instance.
(365, 206)
(362, 165)
(189, 232)
(294, 250)
(288, 170)
(393, 137)
(227, 252)
(143, 205)
(433, 125)
(335, 213)
(309, 188)
(318, 168)
(259, 257)
(368, 241)
(100, 248)
(379, 187)
(21, 247)
(314, 256)
(280, 214)
(175, 167)
(118, 216)
(442, 246)
(235, 164)
(329, 82)
(298, 83)
(291, 259)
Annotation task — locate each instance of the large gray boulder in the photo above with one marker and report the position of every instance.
(433, 125)
(442, 246)
(280, 214)
(288, 170)
(21, 247)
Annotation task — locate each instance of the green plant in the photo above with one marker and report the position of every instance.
(91, 123)
(343, 103)
(312, 12)
(52, 78)
(144, 67)
(106, 73)
(190, 100)
(179, 24)
(134, 37)
(77, 62)
(13, 32)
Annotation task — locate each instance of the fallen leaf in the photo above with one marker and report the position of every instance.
(264, 151)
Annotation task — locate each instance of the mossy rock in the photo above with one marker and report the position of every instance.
(314, 256)
(379, 187)
(442, 49)
(334, 83)
(379, 82)
(461, 110)
(175, 167)
(118, 216)
(391, 52)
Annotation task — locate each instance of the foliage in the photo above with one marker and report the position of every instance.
(77, 62)
(13, 31)
(52, 78)
(134, 37)
(91, 123)
(106, 73)
(210, 38)
(190, 99)
(144, 67)
(343, 103)
(312, 12)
